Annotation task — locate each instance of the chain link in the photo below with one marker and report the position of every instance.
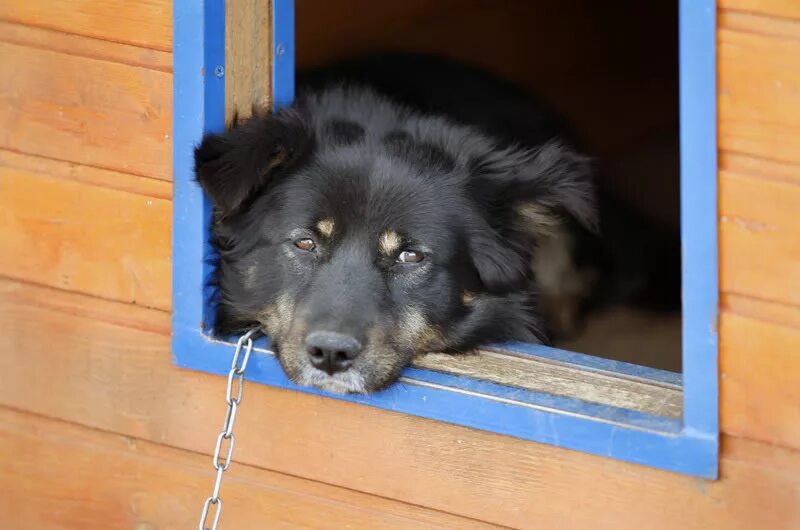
(225, 436)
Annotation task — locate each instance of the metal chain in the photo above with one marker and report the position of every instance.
(226, 434)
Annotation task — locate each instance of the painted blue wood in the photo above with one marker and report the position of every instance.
(198, 106)
(698, 145)
(689, 446)
(651, 441)
(283, 52)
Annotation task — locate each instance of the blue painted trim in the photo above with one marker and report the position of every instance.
(698, 122)
(283, 52)
(198, 106)
(503, 410)
(690, 446)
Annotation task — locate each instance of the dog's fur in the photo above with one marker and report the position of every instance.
(393, 154)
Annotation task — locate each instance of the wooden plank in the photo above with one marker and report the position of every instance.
(765, 311)
(121, 379)
(759, 250)
(248, 49)
(748, 22)
(760, 371)
(542, 375)
(13, 161)
(759, 94)
(79, 236)
(777, 8)
(758, 167)
(91, 479)
(145, 23)
(91, 48)
(89, 111)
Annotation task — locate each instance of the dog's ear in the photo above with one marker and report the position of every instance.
(539, 186)
(525, 194)
(501, 265)
(233, 165)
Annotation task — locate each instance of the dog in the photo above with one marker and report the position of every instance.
(403, 204)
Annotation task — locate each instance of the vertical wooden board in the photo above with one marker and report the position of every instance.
(248, 49)
(759, 238)
(760, 375)
(85, 238)
(120, 379)
(63, 476)
(777, 8)
(146, 23)
(83, 110)
(759, 94)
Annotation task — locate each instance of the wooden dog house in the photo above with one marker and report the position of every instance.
(101, 429)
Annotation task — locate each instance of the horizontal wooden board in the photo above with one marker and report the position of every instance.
(91, 111)
(758, 167)
(748, 22)
(82, 46)
(759, 244)
(759, 94)
(765, 407)
(546, 376)
(85, 367)
(146, 23)
(777, 8)
(62, 226)
(91, 479)
(21, 162)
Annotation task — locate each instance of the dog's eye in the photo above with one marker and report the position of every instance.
(410, 256)
(306, 244)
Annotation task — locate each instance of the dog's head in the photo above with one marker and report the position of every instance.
(356, 234)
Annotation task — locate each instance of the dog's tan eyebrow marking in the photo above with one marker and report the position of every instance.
(467, 297)
(325, 227)
(537, 218)
(390, 242)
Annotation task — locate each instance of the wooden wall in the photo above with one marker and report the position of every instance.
(99, 430)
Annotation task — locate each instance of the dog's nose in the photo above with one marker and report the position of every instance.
(332, 352)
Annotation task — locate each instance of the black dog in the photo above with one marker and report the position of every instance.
(402, 205)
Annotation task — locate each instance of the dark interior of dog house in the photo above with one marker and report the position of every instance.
(610, 68)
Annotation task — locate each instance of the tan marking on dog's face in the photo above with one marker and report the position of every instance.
(390, 242)
(467, 297)
(277, 318)
(325, 227)
(416, 331)
(285, 308)
(537, 219)
(250, 276)
(277, 160)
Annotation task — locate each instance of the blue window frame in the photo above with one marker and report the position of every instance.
(687, 445)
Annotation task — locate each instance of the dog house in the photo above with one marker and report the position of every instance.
(570, 399)
(113, 390)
